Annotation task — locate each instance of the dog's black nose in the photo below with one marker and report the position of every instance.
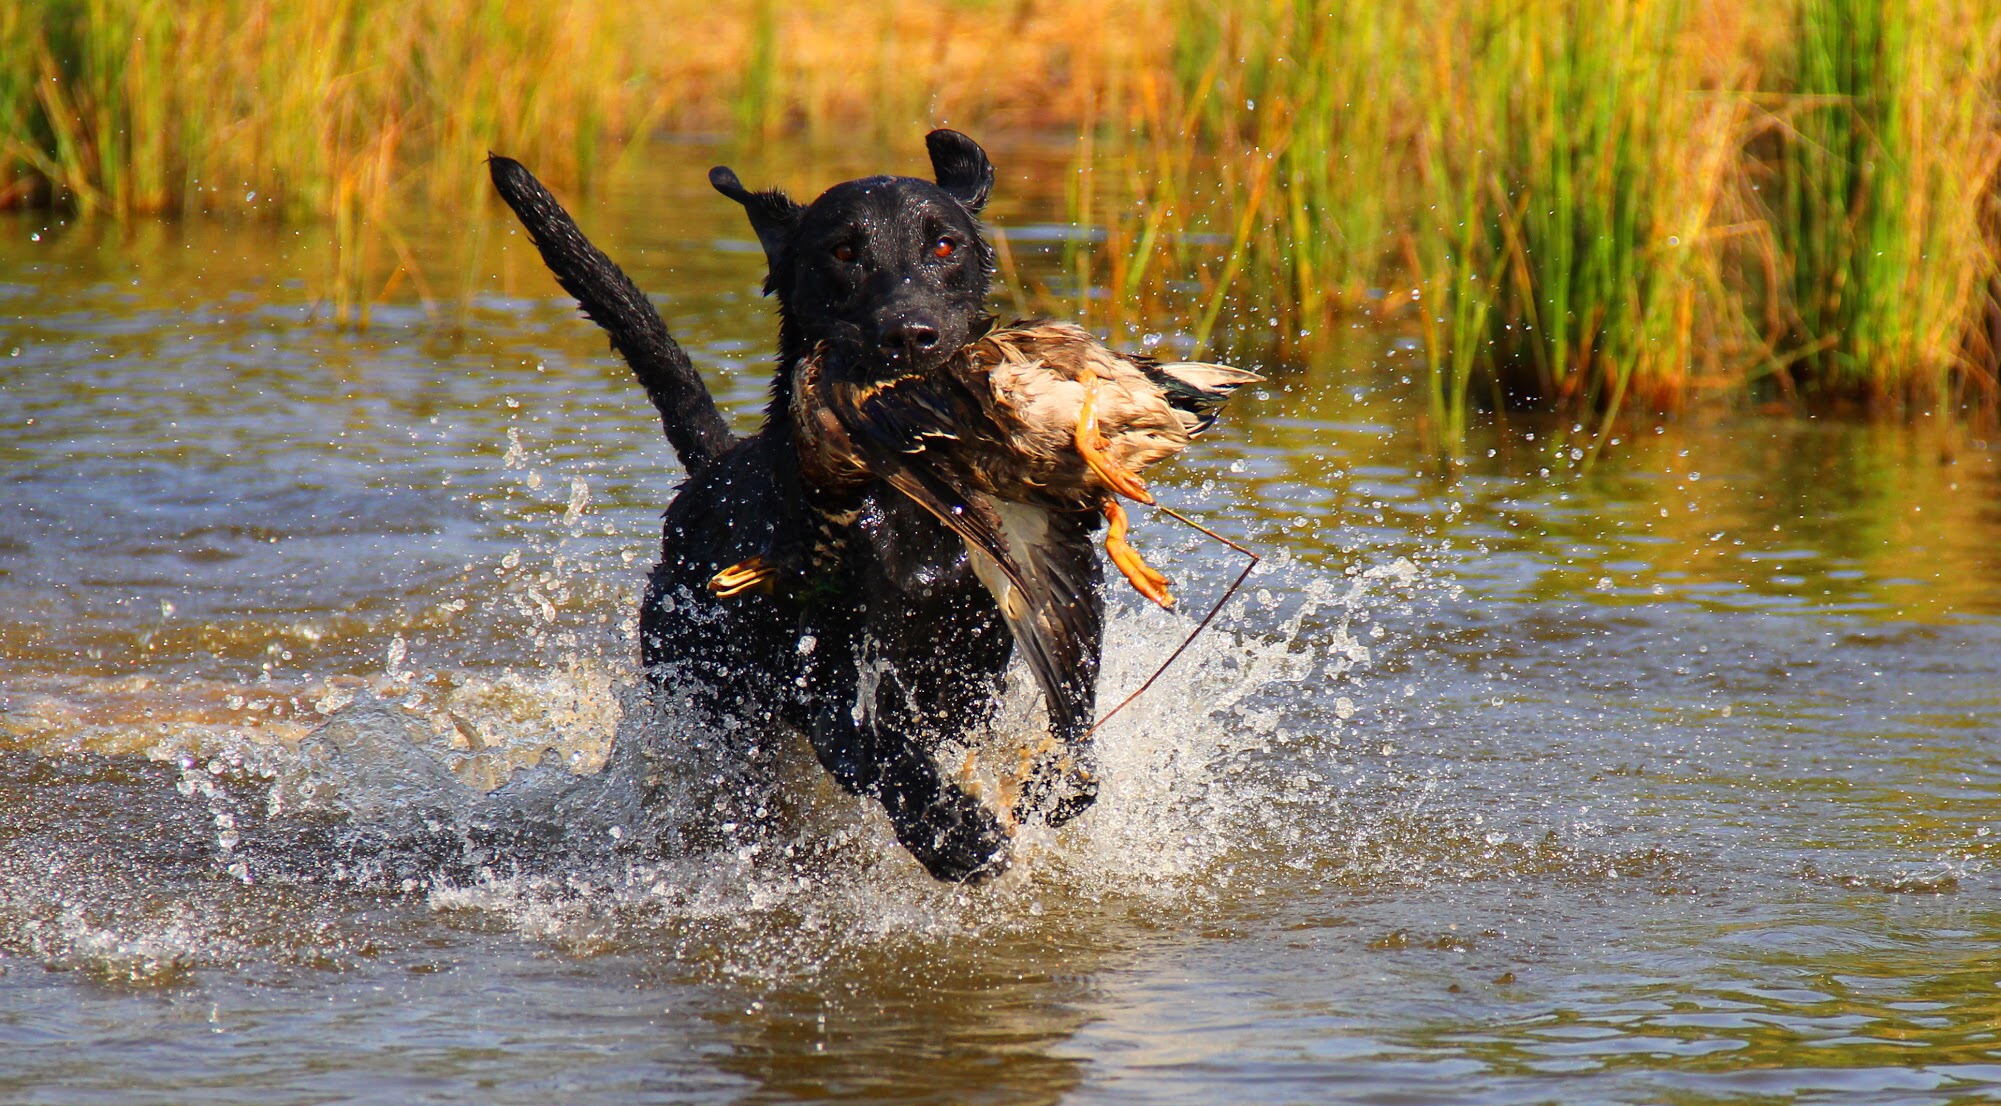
(907, 334)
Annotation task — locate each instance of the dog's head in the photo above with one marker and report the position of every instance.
(889, 271)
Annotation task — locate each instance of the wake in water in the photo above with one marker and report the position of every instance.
(564, 799)
(574, 805)
(384, 763)
(1215, 764)
(569, 804)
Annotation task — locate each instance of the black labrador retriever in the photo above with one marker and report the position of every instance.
(899, 648)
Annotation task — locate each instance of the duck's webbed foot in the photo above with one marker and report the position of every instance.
(754, 574)
(1141, 575)
(785, 562)
(1091, 445)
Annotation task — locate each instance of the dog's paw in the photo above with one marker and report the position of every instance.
(1075, 798)
(957, 839)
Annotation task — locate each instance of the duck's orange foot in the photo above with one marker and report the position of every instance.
(1091, 445)
(742, 577)
(1137, 572)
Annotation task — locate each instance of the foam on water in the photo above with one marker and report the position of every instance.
(1221, 761)
(564, 801)
(499, 788)
(516, 796)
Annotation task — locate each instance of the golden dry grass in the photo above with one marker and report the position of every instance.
(1596, 204)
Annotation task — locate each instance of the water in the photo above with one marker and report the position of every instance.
(1670, 778)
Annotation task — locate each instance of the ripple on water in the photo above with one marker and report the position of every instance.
(1513, 781)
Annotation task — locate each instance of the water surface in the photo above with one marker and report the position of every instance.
(1666, 778)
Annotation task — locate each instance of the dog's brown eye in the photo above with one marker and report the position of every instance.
(844, 252)
(944, 248)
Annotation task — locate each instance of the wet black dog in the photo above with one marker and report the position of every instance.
(899, 647)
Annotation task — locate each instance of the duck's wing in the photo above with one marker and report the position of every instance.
(1050, 605)
(1037, 563)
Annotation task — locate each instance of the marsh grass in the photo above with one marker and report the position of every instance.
(339, 109)
(1593, 205)
(1881, 169)
(126, 106)
(350, 110)
(1530, 182)
(1586, 205)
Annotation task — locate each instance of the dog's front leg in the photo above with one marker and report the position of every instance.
(864, 732)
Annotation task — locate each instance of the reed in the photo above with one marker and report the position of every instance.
(1594, 205)
(125, 106)
(340, 109)
(1882, 161)
(1329, 87)
(1535, 177)
(352, 109)
(1585, 204)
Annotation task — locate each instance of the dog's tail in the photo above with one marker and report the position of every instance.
(609, 298)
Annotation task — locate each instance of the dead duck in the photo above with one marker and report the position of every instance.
(1074, 422)
(1033, 413)
(1015, 444)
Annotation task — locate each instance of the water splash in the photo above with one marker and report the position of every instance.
(1200, 778)
(569, 803)
(560, 798)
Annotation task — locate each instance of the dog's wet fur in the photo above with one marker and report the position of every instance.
(895, 648)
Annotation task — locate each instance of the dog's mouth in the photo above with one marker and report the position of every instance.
(911, 357)
(925, 349)
(864, 358)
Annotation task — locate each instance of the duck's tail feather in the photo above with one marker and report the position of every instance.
(1198, 389)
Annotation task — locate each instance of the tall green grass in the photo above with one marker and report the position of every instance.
(1588, 204)
(1885, 150)
(1574, 144)
(1593, 204)
(123, 106)
(350, 110)
(340, 109)
(1324, 92)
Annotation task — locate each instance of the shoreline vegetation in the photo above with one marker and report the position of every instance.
(1590, 206)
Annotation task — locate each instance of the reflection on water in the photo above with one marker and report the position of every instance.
(1667, 776)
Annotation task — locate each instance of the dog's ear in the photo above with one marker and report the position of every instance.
(772, 213)
(962, 168)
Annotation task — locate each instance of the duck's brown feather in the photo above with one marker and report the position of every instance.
(989, 446)
(1034, 562)
(1031, 380)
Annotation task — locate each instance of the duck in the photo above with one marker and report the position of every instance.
(1036, 413)
(1074, 422)
(1017, 443)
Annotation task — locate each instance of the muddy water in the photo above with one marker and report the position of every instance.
(1670, 778)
